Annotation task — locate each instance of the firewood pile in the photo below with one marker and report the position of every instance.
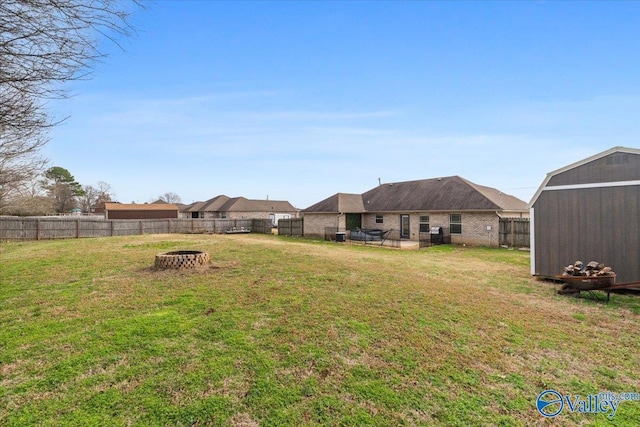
(593, 269)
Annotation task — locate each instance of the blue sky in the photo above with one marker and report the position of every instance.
(300, 100)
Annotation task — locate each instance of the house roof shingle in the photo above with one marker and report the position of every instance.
(223, 203)
(339, 202)
(438, 194)
(208, 205)
(240, 204)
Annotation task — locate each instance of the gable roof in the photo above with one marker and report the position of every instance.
(209, 205)
(224, 203)
(438, 194)
(339, 202)
(109, 206)
(578, 164)
(241, 204)
(215, 203)
(505, 202)
(194, 207)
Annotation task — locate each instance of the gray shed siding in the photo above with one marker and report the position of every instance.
(601, 223)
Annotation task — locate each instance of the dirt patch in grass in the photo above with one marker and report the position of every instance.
(243, 419)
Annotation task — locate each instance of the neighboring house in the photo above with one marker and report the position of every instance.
(181, 208)
(140, 211)
(589, 211)
(241, 208)
(207, 209)
(470, 211)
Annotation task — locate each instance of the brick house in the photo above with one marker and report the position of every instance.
(469, 211)
(225, 207)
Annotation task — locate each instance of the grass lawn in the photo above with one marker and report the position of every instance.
(283, 332)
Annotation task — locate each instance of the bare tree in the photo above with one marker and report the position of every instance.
(105, 192)
(88, 199)
(44, 44)
(27, 198)
(170, 197)
(18, 182)
(23, 126)
(30, 205)
(94, 195)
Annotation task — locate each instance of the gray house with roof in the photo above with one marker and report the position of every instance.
(470, 212)
(225, 207)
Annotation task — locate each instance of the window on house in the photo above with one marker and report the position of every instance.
(455, 223)
(424, 223)
(379, 219)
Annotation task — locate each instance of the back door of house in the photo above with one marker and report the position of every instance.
(405, 232)
(353, 221)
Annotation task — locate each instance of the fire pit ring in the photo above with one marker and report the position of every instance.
(181, 259)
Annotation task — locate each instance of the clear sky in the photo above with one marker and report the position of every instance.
(300, 100)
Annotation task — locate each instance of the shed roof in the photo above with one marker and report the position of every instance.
(109, 206)
(579, 163)
(438, 194)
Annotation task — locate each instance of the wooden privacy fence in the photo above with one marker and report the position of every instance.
(66, 228)
(514, 232)
(290, 227)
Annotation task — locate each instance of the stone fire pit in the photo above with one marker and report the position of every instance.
(182, 259)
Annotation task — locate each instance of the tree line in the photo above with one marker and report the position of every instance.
(45, 44)
(56, 191)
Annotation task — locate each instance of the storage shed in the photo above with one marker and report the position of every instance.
(140, 211)
(589, 210)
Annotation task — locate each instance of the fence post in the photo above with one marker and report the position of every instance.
(37, 229)
(111, 227)
(513, 233)
(169, 226)
(77, 228)
(141, 228)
